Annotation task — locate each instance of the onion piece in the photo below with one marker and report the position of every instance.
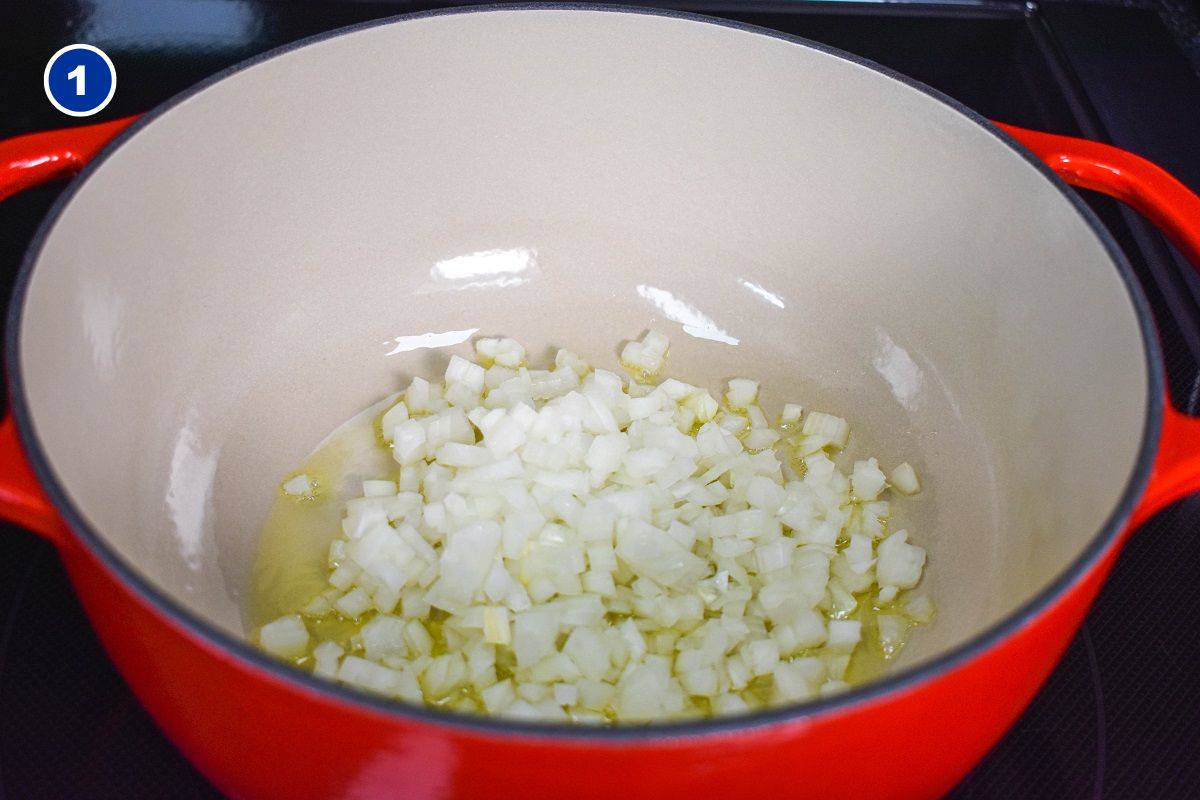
(904, 479)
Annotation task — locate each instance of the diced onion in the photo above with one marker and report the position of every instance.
(832, 430)
(300, 485)
(495, 626)
(919, 608)
(286, 637)
(742, 394)
(904, 479)
(562, 544)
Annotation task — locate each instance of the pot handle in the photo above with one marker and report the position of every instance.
(25, 162)
(1175, 209)
(22, 500)
(35, 158)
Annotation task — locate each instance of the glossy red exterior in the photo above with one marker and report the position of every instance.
(256, 734)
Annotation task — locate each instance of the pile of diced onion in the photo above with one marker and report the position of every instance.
(567, 544)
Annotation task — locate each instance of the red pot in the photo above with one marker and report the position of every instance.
(98, 399)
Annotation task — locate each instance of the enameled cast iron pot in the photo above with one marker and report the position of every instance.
(219, 288)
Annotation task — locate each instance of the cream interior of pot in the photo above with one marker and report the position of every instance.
(230, 284)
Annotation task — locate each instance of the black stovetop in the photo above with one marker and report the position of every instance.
(1119, 718)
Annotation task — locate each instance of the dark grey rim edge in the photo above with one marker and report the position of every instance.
(898, 682)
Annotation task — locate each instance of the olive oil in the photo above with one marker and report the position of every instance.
(291, 565)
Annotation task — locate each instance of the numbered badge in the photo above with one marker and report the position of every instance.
(80, 80)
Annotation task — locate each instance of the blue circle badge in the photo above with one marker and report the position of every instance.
(80, 80)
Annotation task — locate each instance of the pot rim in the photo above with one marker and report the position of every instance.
(897, 682)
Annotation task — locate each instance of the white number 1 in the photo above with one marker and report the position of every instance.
(77, 75)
